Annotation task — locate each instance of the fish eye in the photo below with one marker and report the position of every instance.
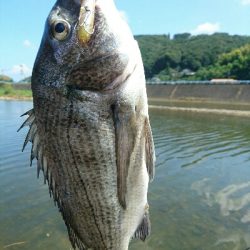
(60, 27)
(60, 30)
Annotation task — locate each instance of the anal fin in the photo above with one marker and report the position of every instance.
(144, 229)
(124, 139)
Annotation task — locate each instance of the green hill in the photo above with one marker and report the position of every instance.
(26, 80)
(7, 79)
(184, 55)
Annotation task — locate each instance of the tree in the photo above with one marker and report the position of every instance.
(162, 55)
(235, 64)
(4, 78)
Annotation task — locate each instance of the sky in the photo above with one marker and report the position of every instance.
(22, 24)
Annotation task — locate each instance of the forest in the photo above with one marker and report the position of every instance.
(201, 57)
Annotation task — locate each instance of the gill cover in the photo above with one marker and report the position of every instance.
(86, 20)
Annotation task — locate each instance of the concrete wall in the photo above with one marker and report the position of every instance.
(239, 93)
(25, 86)
(212, 92)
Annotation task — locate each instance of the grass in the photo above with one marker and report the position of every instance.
(7, 91)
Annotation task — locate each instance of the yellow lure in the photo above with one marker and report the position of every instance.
(86, 21)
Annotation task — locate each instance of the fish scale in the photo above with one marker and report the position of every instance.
(94, 179)
(92, 139)
(89, 126)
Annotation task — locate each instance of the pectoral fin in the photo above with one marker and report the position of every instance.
(124, 139)
(150, 151)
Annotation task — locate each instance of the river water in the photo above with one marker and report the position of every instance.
(199, 200)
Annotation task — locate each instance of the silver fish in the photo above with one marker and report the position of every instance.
(89, 127)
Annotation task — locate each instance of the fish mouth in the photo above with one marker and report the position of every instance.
(86, 21)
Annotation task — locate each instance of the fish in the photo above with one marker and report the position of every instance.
(89, 125)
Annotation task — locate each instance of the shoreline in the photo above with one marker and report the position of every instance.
(204, 101)
(15, 98)
(228, 112)
(202, 110)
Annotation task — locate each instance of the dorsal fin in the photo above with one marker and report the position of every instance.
(43, 164)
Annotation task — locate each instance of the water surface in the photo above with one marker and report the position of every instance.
(199, 200)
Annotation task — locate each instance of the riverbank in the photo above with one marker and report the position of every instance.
(237, 110)
(201, 106)
(224, 99)
(227, 112)
(16, 98)
(233, 93)
(14, 92)
(221, 99)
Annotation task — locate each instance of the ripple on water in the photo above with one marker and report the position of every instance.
(198, 200)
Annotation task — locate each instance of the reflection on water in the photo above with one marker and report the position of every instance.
(200, 198)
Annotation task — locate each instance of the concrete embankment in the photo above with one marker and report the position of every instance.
(226, 99)
(231, 100)
(212, 92)
(236, 93)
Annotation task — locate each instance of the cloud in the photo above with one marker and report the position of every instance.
(245, 2)
(21, 70)
(28, 44)
(206, 28)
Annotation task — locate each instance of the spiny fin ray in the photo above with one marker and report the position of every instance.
(43, 165)
(29, 113)
(28, 121)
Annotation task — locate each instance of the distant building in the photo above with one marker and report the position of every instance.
(155, 79)
(224, 81)
(187, 72)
